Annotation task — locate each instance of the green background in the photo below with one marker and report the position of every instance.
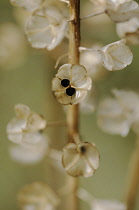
(30, 84)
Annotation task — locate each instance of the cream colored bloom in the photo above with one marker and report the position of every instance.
(116, 56)
(129, 30)
(98, 204)
(81, 159)
(29, 5)
(117, 115)
(30, 153)
(47, 27)
(121, 10)
(71, 83)
(25, 127)
(38, 196)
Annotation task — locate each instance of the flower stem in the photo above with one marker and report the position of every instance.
(73, 110)
(133, 179)
(92, 15)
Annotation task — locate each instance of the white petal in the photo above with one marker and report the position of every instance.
(81, 159)
(85, 83)
(45, 30)
(78, 72)
(35, 122)
(27, 4)
(31, 137)
(64, 72)
(116, 56)
(16, 126)
(22, 111)
(28, 154)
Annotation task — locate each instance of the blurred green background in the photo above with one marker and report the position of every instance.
(30, 83)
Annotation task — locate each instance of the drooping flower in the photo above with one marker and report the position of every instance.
(29, 5)
(121, 10)
(81, 159)
(129, 30)
(38, 196)
(30, 153)
(120, 114)
(71, 83)
(26, 126)
(116, 56)
(47, 27)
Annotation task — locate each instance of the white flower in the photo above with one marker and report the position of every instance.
(117, 115)
(12, 46)
(29, 5)
(25, 127)
(98, 204)
(92, 61)
(38, 196)
(121, 10)
(116, 56)
(71, 83)
(129, 30)
(47, 27)
(30, 153)
(81, 159)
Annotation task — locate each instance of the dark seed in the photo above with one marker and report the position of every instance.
(83, 149)
(70, 91)
(65, 82)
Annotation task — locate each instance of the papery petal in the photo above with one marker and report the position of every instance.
(78, 72)
(63, 98)
(16, 126)
(112, 119)
(27, 153)
(31, 137)
(116, 56)
(27, 4)
(45, 30)
(81, 159)
(35, 122)
(22, 111)
(121, 11)
(128, 99)
(85, 83)
(64, 72)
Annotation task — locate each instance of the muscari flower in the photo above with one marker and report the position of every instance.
(47, 27)
(37, 196)
(116, 56)
(26, 126)
(121, 10)
(129, 30)
(81, 159)
(70, 84)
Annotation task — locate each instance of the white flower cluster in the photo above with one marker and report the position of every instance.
(47, 24)
(117, 115)
(25, 130)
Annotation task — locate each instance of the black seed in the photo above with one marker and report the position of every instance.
(70, 91)
(65, 82)
(83, 149)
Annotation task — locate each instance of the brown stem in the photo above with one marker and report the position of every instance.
(133, 179)
(73, 110)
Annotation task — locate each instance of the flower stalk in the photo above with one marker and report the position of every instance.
(133, 179)
(73, 110)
